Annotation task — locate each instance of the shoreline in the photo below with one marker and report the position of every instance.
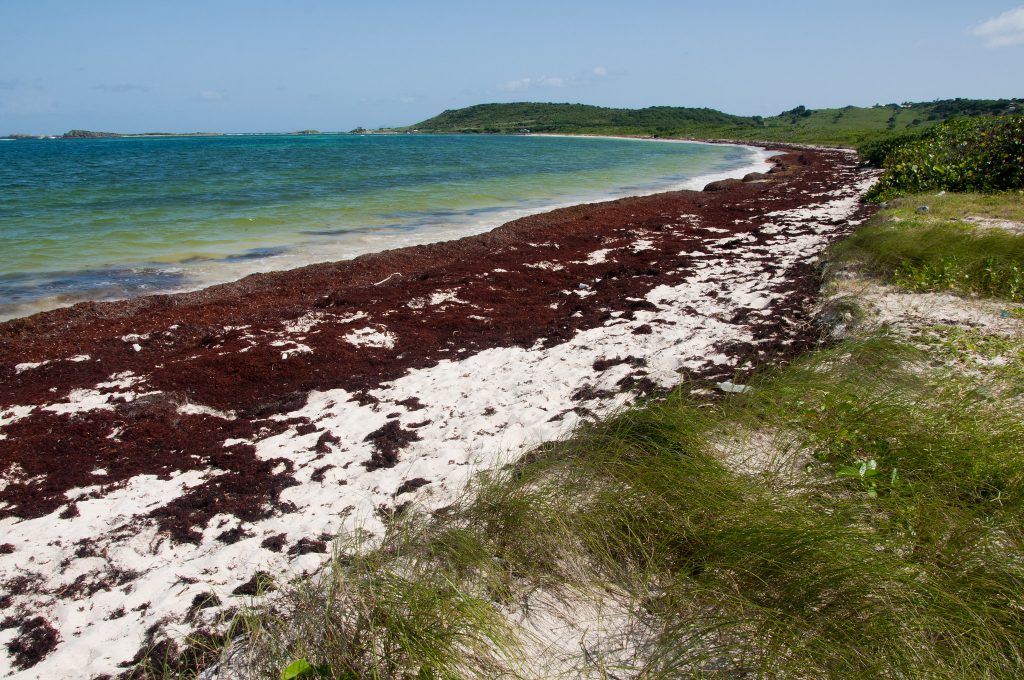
(206, 436)
(190, 276)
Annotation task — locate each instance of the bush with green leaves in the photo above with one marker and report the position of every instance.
(968, 154)
(875, 151)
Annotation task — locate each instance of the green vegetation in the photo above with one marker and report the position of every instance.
(875, 151)
(379, 613)
(924, 244)
(849, 126)
(875, 530)
(967, 154)
(575, 118)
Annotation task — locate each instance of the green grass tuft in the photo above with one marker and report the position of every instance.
(913, 572)
(934, 251)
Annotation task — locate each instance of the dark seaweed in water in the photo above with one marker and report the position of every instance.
(20, 291)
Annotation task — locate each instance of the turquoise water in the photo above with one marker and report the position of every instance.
(110, 218)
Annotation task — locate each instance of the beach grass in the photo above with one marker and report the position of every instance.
(955, 242)
(874, 529)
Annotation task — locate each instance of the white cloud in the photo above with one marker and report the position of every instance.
(1002, 31)
(210, 95)
(528, 83)
(580, 79)
(513, 85)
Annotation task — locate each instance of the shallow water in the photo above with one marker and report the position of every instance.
(112, 218)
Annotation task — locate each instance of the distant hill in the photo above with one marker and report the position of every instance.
(573, 118)
(849, 126)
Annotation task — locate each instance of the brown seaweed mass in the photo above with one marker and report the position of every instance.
(212, 347)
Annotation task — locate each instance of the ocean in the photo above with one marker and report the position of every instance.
(100, 219)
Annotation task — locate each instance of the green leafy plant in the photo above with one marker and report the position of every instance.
(868, 474)
(875, 151)
(967, 154)
(300, 669)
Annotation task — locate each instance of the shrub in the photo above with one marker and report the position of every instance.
(969, 154)
(875, 151)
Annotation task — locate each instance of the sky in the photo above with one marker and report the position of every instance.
(258, 66)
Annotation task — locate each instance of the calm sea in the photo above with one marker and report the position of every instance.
(114, 218)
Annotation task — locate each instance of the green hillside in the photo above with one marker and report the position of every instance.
(849, 126)
(580, 118)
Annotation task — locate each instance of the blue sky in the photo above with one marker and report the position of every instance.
(250, 66)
